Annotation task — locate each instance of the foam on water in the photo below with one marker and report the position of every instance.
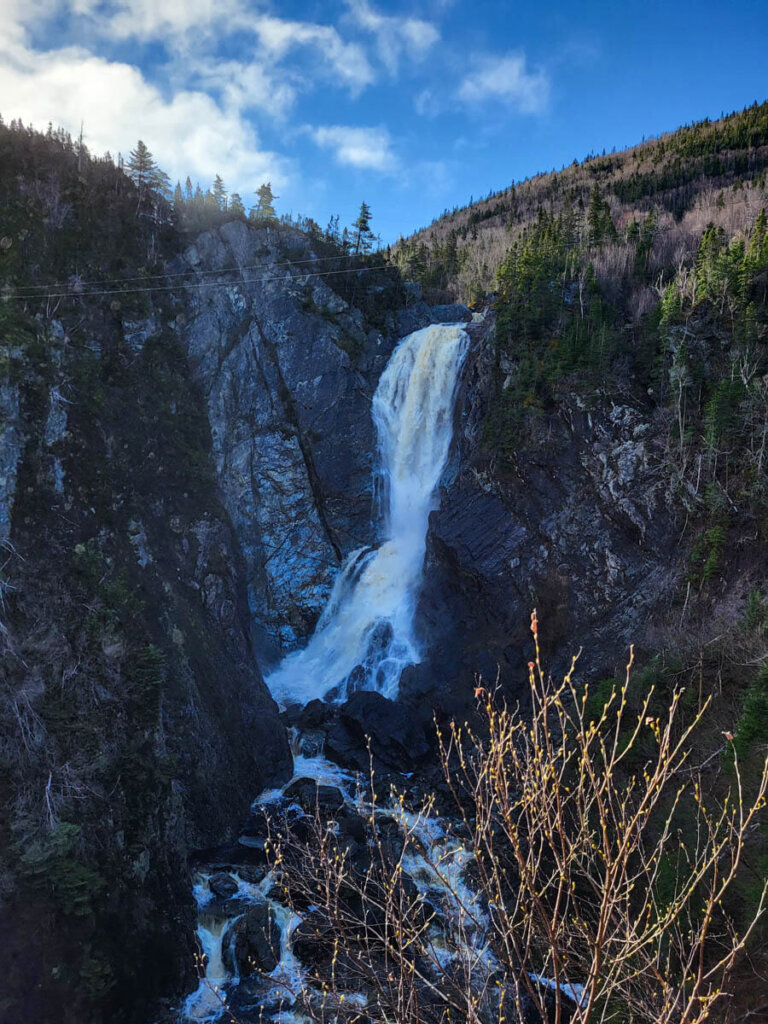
(206, 1002)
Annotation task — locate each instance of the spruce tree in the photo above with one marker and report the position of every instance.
(219, 193)
(265, 206)
(362, 226)
(148, 178)
(141, 166)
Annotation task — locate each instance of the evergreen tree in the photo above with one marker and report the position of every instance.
(362, 226)
(236, 205)
(178, 197)
(188, 193)
(451, 254)
(148, 178)
(265, 206)
(332, 231)
(141, 166)
(219, 193)
(599, 221)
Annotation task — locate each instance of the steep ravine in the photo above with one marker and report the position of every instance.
(180, 485)
(175, 505)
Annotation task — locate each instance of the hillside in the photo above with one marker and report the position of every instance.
(614, 464)
(710, 171)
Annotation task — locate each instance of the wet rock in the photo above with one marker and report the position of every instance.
(312, 743)
(312, 939)
(223, 885)
(390, 838)
(311, 796)
(398, 733)
(353, 825)
(255, 943)
(353, 835)
(231, 857)
(312, 716)
(253, 873)
(454, 313)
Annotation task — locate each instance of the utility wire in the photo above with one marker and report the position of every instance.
(200, 284)
(33, 288)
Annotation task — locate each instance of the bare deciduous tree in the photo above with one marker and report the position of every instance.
(597, 878)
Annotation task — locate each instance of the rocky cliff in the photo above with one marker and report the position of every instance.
(136, 725)
(578, 524)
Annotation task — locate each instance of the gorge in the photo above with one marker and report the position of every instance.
(363, 641)
(279, 501)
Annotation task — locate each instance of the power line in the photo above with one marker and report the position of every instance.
(31, 290)
(199, 284)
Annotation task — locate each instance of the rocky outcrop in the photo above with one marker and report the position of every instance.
(288, 369)
(576, 524)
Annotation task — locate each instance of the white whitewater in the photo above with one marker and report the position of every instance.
(364, 638)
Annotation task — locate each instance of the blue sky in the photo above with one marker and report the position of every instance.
(413, 107)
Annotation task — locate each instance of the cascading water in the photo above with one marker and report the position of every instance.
(364, 638)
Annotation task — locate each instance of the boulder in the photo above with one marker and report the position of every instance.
(222, 884)
(453, 313)
(398, 733)
(312, 939)
(255, 945)
(311, 796)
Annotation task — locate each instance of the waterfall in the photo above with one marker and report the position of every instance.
(364, 638)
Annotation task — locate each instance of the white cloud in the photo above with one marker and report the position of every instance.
(244, 86)
(188, 133)
(507, 79)
(395, 36)
(426, 104)
(157, 19)
(364, 148)
(347, 60)
(140, 19)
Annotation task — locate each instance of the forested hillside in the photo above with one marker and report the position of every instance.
(709, 171)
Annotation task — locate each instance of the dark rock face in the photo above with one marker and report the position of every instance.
(144, 727)
(577, 526)
(289, 408)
